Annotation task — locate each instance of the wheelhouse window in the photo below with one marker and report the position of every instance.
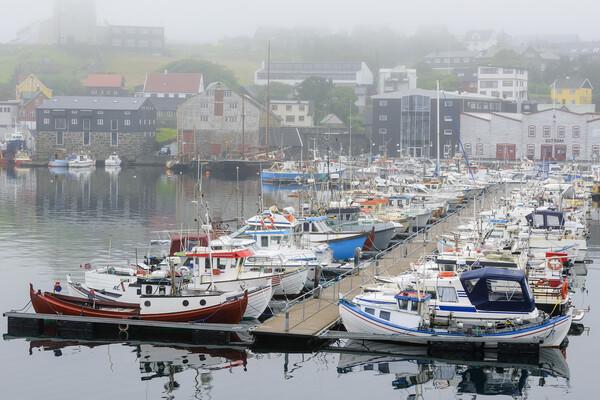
(385, 315)
(499, 290)
(264, 241)
(370, 310)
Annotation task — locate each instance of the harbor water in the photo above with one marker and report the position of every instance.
(52, 222)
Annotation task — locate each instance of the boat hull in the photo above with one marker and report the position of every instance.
(230, 311)
(550, 333)
(342, 245)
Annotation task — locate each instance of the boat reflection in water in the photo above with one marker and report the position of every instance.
(419, 370)
(157, 361)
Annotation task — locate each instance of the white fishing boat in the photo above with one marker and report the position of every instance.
(490, 292)
(81, 161)
(113, 161)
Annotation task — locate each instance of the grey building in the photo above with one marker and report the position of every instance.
(142, 38)
(99, 126)
(220, 122)
(549, 135)
(462, 64)
(405, 122)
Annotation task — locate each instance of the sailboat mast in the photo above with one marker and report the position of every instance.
(268, 113)
(437, 85)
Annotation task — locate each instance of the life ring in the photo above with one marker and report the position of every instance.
(270, 220)
(564, 291)
(554, 264)
(446, 274)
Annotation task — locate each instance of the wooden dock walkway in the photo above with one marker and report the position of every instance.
(312, 315)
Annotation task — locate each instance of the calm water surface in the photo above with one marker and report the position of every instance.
(50, 223)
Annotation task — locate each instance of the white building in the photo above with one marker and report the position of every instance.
(294, 113)
(354, 74)
(557, 135)
(396, 79)
(9, 110)
(502, 82)
(481, 40)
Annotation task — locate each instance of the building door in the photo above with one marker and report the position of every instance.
(560, 152)
(546, 153)
(506, 151)
(219, 95)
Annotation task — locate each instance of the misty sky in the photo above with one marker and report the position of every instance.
(209, 20)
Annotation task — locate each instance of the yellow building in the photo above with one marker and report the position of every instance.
(571, 91)
(31, 84)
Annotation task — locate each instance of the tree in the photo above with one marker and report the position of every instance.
(278, 91)
(341, 101)
(212, 72)
(318, 92)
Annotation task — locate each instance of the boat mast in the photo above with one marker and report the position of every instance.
(437, 85)
(268, 113)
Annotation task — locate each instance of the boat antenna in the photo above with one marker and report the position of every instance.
(109, 249)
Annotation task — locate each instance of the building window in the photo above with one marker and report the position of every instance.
(382, 103)
(290, 118)
(531, 131)
(59, 139)
(46, 111)
(127, 122)
(100, 122)
(230, 119)
(447, 149)
(561, 132)
(227, 93)
(86, 138)
(468, 148)
(507, 83)
(288, 108)
(100, 112)
(204, 118)
(114, 124)
(114, 139)
(301, 118)
(530, 151)
(576, 151)
(273, 107)
(302, 107)
(546, 132)
(479, 149)
(73, 121)
(448, 118)
(447, 103)
(576, 132)
(382, 131)
(205, 105)
(383, 117)
(46, 121)
(60, 123)
(595, 151)
(129, 112)
(447, 132)
(233, 106)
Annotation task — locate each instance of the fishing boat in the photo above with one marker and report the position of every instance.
(80, 161)
(215, 307)
(113, 161)
(490, 293)
(58, 163)
(21, 159)
(344, 218)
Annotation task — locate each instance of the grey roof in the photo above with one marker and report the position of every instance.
(433, 94)
(315, 66)
(452, 53)
(331, 120)
(165, 103)
(479, 35)
(93, 103)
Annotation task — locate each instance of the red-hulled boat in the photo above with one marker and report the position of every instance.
(215, 307)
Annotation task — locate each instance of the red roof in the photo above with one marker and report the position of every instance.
(103, 80)
(173, 83)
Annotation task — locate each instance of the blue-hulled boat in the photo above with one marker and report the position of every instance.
(343, 243)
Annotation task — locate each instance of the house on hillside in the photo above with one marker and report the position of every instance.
(29, 102)
(507, 83)
(167, 91)
(98, 125)
(294, 113)
(30, 84)
(571, 90)
(105, 85)
(481, 40)
(220, 123)
(355, 74)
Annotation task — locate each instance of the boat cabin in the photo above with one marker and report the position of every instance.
(216, 262)
(546, 219)
(498, 289)
(414, 302)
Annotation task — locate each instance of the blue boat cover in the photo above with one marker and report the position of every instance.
(489, 289)
(546, 219)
